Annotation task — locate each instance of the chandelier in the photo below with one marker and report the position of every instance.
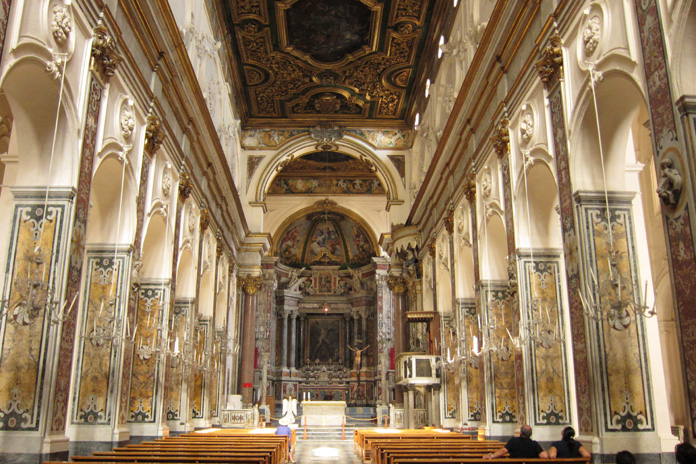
(616, 291)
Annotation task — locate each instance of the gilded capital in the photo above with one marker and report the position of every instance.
(397, 284)
(204, 221)
(550, 65)
(185, 185)
(432, 246)
(218, 250)
(154, 136)
(470, 188)
(449, 221)
(501, 140)
(105, 58)
(251, 284)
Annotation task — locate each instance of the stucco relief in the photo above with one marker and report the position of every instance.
(526, 124)
(61, 24)
(591, 35)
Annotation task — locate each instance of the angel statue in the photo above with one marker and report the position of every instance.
(295, 279)
(289, 410)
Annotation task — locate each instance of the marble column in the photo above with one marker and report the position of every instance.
(302, 340)
(397, 284)
(347, 360)
(104, 60)
(293, 340)
(355, 315)
(251, 286)
(284, 341)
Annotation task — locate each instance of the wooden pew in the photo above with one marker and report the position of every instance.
(363, 438)
(454, 460)
(380, 451)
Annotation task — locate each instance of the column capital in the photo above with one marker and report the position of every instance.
(501, 139)
(397, 284)
(185, 185)
(154, 135)
(204, 221)
(550, 65)
(105, 58)
(250, 284)
(470, 188)
(449, 220)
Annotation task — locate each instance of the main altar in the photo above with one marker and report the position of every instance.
(323, 413)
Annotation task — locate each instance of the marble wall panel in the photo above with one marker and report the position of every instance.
(501, 361)
(176, 366)
(623, 365)
(97, 365)
(146, 368)
(199, 380)
(25, 347)
(542, 316)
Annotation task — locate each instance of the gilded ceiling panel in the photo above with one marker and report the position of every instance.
(350, 62)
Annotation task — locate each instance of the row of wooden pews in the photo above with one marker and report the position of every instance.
(258, 446)
(392, 446)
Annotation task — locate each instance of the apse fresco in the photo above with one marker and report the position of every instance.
(327, 239)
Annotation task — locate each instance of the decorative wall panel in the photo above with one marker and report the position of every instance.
(25, 348)
(144, 388)
(469, 328)
(501, 362)
(199, 378)
(97, 368)
(623, 363)
(176, 368)
(541, 314)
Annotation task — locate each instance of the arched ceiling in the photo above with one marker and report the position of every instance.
(324, 238)
(327, 173)
(357, 63)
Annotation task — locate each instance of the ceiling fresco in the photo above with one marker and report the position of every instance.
(324, 238)
(327, 173)
(350, 62)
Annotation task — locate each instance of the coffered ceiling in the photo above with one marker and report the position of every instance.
(355, 63)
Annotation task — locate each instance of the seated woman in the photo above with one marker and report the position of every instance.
(568, 447)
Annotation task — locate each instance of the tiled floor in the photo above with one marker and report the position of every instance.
(325, 451)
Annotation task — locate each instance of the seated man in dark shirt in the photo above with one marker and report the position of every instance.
(521, 447)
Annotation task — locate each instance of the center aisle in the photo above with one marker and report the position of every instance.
(318, 451)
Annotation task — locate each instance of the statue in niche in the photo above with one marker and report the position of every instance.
(670, 183)
(357, 284)
(358, 356)
(295, 279)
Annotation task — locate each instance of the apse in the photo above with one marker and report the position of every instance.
(325, 238)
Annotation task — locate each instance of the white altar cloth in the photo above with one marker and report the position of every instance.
(324, 413)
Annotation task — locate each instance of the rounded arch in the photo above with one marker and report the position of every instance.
(493, 245)
(308, 215)
(156, 244)
(684, 61)
(206, 296)
(619, 99)
(537, 222)
(185, 275)
(112, 216)
(349, 144)
(33, 97)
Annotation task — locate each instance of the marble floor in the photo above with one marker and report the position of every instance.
(325, 451)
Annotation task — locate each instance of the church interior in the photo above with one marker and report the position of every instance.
(461, 214)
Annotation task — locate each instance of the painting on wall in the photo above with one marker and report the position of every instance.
(326, 239)
(326, 343)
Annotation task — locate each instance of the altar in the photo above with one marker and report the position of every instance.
(323, 413)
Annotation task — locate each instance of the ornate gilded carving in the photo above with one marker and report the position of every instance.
(470, 188)
(449, 221)
(185, 185)
(105, 58)
(501, 140)
(397, 284)
(550, 65)
(218, 248)
(250, 284)
(204, 221)
(366, 73)
(154, 136)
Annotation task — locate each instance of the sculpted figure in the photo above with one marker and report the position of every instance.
(670, 184)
